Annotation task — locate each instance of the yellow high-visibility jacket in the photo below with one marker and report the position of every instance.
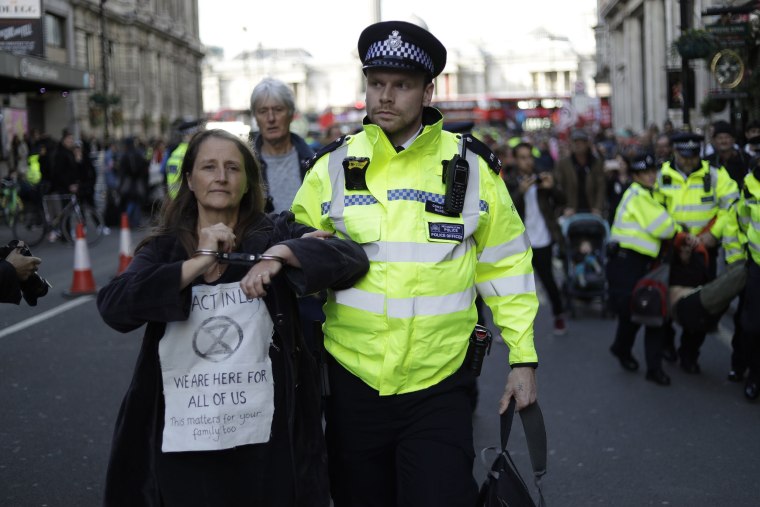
(641, 223)
(405, 325)
(174, 169)
(34, 173)
(695, 199)
(748, 212)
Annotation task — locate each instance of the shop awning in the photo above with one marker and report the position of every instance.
(20, 73)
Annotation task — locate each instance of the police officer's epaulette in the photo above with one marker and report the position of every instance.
(482, 150)
(324, 150)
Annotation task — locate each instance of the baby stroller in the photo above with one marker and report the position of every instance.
(586, 236)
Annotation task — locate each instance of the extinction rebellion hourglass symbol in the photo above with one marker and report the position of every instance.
(217, 339)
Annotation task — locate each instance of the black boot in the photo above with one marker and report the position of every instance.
(627, 361)
(659, 377)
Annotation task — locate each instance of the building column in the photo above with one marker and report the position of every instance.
(618, 77)
(635, 71)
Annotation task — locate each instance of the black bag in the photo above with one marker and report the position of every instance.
(504, 486)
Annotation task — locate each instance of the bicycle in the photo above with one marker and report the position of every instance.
(11, 205)
(32, 226)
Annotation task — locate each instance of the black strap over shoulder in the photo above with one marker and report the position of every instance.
(325, 150)
(482, 150)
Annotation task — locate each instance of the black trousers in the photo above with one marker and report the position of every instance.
(691, 341)
(542, 265)
(623, 271)
(401, 450)
(751, 320)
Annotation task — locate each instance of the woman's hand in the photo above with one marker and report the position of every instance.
(255, 283)
(218, 237)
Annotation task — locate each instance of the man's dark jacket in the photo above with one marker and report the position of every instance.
(140, 296)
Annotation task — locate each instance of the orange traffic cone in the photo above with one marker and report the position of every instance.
(125, 247)
(83, 282)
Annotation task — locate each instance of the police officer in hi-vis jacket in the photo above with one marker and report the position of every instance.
(399, 419)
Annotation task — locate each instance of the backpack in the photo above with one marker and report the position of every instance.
(649, 299)
(504, 486)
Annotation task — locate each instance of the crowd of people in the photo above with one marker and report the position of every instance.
(668, 197)
(254, 240)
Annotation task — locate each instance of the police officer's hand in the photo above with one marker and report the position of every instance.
(521, 385)
(319, 234)
(25, 265)
(568, 212)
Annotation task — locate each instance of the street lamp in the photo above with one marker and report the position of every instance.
(104, 67)
(686, 11)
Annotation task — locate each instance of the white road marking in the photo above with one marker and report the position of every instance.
(45, 315)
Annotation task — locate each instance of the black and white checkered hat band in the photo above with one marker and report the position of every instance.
(405, 51)
(687, 145)
(639, 166)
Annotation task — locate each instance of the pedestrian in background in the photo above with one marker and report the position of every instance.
(727, 153)
(284, 155)
(15, 268)
(663, 150)
(284, 158)
(581, 177)
(222, 332)
(87, 174)
(133, 181)
(399, 416)
(538, 202)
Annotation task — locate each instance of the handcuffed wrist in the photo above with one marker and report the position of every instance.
(269, 257)
(205, 251)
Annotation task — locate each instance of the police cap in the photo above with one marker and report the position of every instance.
(190, 127)
(401, 45)
(643, 162)
(687, 144)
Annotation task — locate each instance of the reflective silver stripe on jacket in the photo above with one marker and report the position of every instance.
(509, 285)
(495, 253)
(694, 207)
(471, 211)
(416, 252)
(402, 308)
(649, 246)
(338, 185)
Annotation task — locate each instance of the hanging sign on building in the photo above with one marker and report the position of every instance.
(21, 27)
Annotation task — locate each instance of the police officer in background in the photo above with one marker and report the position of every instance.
(399, 420)
(640, 225)
(698, 196)
(748, 213)
(174, 162)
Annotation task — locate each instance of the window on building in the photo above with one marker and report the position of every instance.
(55, 31)
(91, 44)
